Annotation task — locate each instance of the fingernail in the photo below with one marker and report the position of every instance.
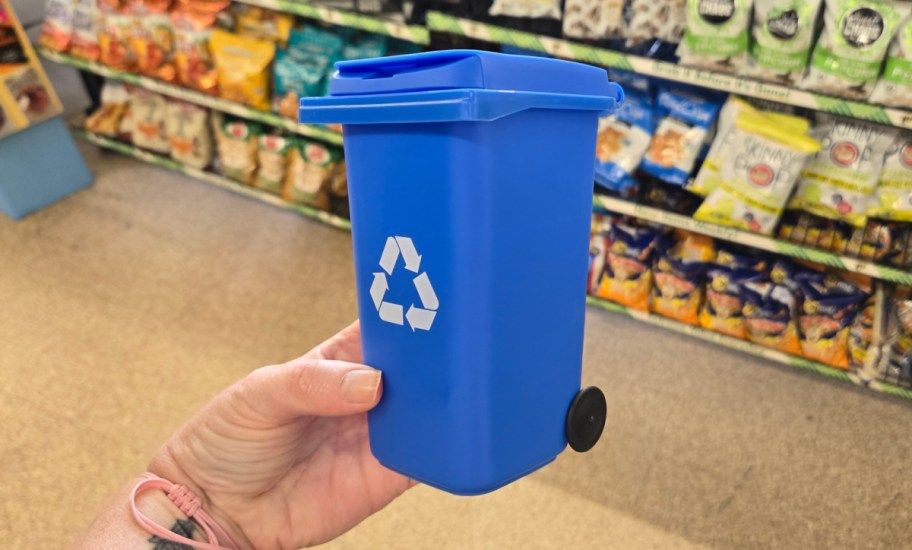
(360, 386)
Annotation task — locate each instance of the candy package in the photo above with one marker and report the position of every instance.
(243, 67)
(759, 172)
(193, 23)
(655, 20)
(260, 23)
(782, 37)
(627, 277)
(86, 26)
(273, 162)
(839, 181)
(894, 88)
(828, 311)
(106, 120)
(117, 27)
(593, 19)
(149, 111)
(534, 9)
(848, 55)
(769, 316)
(236, 141)
(153, 40)
(685, 118)
(679, 277)
(58, 25)
(716, 34)
(310, 173)
(623, 138)
(893, 197)
(190, 135)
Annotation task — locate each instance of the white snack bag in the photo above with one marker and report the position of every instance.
(149, 113)
(782, 36)
(716, 36)
(656, 20)
(190, 135)
(895, 85)
(593, 19)
(535, 9)
(856, 33)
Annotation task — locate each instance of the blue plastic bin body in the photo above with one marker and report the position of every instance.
(492, 212)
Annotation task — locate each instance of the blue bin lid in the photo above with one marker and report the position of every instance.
(457, 85)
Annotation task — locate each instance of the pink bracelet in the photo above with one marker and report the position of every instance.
(189, 505)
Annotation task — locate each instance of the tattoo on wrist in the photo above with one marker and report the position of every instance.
(182, 527)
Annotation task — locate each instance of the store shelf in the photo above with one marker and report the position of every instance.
(375, 24)
(213, 178)
(753, 240)
(440, 22)
(192, 96)
(750, 348)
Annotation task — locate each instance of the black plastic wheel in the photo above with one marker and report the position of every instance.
(586, 419)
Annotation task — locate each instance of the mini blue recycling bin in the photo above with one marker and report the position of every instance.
(470, 184)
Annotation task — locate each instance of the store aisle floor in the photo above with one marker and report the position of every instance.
(129, 305)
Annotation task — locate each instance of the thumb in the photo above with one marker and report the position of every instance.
(311, 387)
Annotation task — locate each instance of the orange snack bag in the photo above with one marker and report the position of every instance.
(153, 40)
(678, 278)
(117, 28)
(58, 25)
(627, 276)
(86, 26)
(193, 24)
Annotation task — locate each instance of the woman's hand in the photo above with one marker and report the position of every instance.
(281, 459)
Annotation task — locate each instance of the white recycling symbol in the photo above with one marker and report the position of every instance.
(417, 317)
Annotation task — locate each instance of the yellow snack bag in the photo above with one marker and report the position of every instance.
(243, 67)
(264, 24)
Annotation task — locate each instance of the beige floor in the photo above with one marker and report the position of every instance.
(127, 306)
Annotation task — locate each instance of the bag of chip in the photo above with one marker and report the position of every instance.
(623, 138)
(893, 197)
(828, 310)
(685, 118)
(243, 67)
(263, 24)
(840, 180)
(301, 70)
(106, 120)
(721, 312)
(593, 19)
(679, 276)
(193, 23)
(716, 34)
(899, 355)
(273, 162)
(655, 20)
(153, 39)
(894, 88)
(759, 172)
(769, 316)
(117, 27)
(86, 27)
(310, 173)
(236, 141)
(533, 9)
(861, 335)
(782, 38)
(627, 277)
(150, 112)
(190, 134)
(852, 46)
(57, 29)
(600, 229)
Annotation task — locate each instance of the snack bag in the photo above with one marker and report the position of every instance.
(193, 24)
(652, 20)
(366, 48)
(310, 173)
(236, 140)
(598, 247)
(899, 358)
(627, 277)
(623, 138)
(893, 197)
(58, 25)
(707, 178)
(758, 175)
(679, 274)
(149, 115)
(722, 310)
(769, 316)
(243, 67)
(114, 103)
(861, 335)
(263, 24)
(189, 133)
(838, 182)
(273, 162)
(593, 19)
(783, 35)
(536, 9)
(117, 22)
(894, 88)
(829, 309)
(302, 68)
(86, 26)
(716, 34)
(848, 55)
(685, 120)
(153, 39)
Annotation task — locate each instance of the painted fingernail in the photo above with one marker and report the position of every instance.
(360, 386)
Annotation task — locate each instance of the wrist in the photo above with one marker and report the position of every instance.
(158, 508)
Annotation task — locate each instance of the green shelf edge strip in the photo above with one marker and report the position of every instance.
(749, 348)
(210, 177)
(185, 94)
(752, 240)
(440, 22)
(378, 25)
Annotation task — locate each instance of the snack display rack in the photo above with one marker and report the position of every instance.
(213, 178)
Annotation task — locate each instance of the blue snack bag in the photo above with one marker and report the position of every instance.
(622, 141)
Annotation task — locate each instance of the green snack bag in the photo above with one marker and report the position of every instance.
(236, 140)
(856, 33)
(895, 85)
(782, 37)
(273, 162)
(716, 34)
